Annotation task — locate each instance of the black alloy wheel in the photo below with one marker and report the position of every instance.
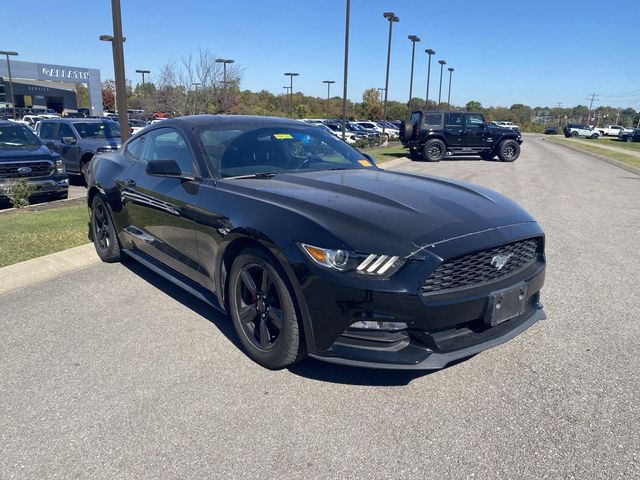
(103, 232)
(434, 150)
(263, 312)
(508, 150)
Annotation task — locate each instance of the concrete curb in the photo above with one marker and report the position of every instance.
(37, 270)
(67, 202)
(622, 165)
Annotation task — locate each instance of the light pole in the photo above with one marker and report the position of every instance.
(224, 62)
(380, 91)
(442, 64)
(429, 52)
(449, 95)
(346, 68)
(391, 17)
(117, 41)
(13, 101)
(143, 73)
(195, 85)
(328, 82)
(413, 39)
(291, 75)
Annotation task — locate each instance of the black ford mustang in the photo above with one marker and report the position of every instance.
(312, 249)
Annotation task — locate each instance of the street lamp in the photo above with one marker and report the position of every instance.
(346, 68)
(13, 101)
(224, 62)
(143, 72)
(196, 85)
(442, 64)
(291, 75)
(392, 18)
(380, 91)
(117, 41)
(413, 39)
(429, 52)
(328, 82)
(449, 95)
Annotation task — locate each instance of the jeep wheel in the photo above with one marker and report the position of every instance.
(415, 155)
(574, 134)
(594, 136)
(434, 150)
(508, 150)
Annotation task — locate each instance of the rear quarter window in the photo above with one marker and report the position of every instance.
(432, 120)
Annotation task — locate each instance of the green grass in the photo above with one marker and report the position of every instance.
(384, 154)
(614, 142)
(26, 234)
(591, 146)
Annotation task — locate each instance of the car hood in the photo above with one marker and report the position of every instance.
(384, 212)
(39, 152)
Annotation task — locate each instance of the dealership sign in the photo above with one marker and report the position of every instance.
(60, 73)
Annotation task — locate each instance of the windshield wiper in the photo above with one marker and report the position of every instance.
(254, 175)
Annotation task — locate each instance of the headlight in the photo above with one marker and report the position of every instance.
(381, 266)
(59, 167)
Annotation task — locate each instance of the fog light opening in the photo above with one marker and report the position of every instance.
(377, 325)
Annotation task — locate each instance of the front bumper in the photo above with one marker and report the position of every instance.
(51, 187)
(441, 327)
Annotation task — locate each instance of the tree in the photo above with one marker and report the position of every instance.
(473, 106)
(82, 95)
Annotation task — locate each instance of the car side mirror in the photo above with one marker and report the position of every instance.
(69, 140)
(165, 168)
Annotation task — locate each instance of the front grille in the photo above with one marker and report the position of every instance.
(39, 168)
(482, 267)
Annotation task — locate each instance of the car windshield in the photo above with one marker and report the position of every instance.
(104, 129)
(247, 150)
(18, 136)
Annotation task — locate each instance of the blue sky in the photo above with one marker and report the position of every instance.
(535, 52)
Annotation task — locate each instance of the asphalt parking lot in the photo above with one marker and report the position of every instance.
(111, 372)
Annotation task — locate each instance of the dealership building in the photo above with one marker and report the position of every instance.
(44, 85)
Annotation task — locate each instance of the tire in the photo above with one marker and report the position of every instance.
(508, 150)
(415, 155)
(434, 150)
(263, 311)
(594, 136)
(629, 139)
(574, 134)
(406, 131)
(103, 232)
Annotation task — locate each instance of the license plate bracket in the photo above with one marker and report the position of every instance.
(506, 304)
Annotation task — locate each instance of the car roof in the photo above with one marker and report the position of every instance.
(198, 120)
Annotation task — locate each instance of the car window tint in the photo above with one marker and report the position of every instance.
(46, 130)
(454, 119)
(432, 119)
(135, 148)
(64, 130)
(168, 144)
(476, 119)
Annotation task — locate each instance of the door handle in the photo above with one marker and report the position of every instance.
(127, 182)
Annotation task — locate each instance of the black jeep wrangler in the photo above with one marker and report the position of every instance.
(430, 135)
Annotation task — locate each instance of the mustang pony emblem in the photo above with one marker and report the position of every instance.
(500, 261)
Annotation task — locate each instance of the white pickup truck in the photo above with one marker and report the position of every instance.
(613, 130)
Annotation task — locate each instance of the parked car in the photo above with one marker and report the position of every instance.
(632, 136)
(135, 125)
(31, 120)
(23, 155)
(614, 130)
(575, 130)
(312, 249)
(505, 124)
(430, 135)
(336, 130)
(391, 133)
(78, 140)
(551, 131)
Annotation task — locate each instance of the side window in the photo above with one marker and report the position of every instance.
(453, 119)
(432, 120)
(46, 130)
(135, 148)
(168, 144)
(474, 119)
(64, 130)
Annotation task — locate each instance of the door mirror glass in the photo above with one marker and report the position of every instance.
(69, 140)
(164, 168)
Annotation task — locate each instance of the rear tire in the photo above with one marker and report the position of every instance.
(434, 150)
(508, 150)
(103, 232)
(574, 134)
(263, 311)
(594, 136)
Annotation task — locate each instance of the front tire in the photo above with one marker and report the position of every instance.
(263, 311)
(434, 150)
(594, 136)
(103, 232)
(508, 150)
(574, 134)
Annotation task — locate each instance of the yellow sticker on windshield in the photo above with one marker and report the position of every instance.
(282, 136)
(364, 163)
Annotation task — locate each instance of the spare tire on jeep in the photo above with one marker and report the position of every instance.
(406, 131)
